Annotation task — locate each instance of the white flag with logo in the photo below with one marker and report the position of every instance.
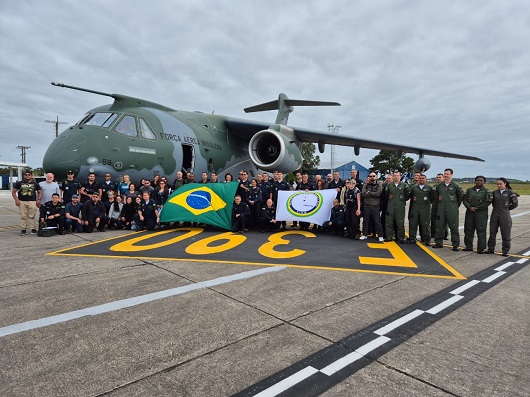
(312, 206)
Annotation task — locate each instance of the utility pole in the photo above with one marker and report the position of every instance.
(23, 154)
(333, 129)
(56, 125)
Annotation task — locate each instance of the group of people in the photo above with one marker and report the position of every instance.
(71, 206)
(433, 210)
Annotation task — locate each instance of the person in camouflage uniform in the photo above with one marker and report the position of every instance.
(477, 199)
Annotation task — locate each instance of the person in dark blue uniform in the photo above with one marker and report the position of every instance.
(266, 187)
(280, 184)
(240, 215)
(305, 185)
(52, 212)
(106, 187)
(94, 215)
(254, 200)
(267, 219)
(69, 187)
(337, 220)
(147, 216)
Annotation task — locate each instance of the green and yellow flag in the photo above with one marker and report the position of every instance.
(209, 203)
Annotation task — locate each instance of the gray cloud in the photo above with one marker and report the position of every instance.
(443, 74)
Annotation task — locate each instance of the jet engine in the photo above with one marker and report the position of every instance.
(422, 165)
(275, 148)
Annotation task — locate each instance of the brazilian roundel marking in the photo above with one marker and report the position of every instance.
(304, 204)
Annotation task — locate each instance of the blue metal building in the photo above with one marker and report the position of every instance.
(344, 170)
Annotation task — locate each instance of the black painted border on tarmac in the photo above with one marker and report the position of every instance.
(330, 366)
(293, 248)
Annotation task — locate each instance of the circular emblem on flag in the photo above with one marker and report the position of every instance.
(304, 203)
(199, 200)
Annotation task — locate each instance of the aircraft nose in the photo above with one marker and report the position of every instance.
(61, 156)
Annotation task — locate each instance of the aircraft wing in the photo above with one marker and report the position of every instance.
(246, 129)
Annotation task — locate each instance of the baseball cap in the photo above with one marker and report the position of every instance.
(75, 196)
(69, 172)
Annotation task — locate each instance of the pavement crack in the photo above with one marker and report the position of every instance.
(184, 362)
(392, 368)
(65, 277)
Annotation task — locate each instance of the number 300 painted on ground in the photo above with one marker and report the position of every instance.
(205, 247)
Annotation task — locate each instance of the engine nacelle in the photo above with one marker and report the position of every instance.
(422, 165)
(272, 150)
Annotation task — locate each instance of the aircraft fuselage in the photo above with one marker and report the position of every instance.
(145, 141)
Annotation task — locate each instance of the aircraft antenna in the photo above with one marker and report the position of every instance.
(83, 89)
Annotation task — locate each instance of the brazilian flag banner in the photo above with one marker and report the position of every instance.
(209, 203)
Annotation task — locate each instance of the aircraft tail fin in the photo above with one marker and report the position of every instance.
(286, 106)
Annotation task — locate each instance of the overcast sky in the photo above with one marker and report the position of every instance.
(448, 75)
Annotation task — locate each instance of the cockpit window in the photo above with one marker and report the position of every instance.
(127, 126)
(100, 119)
(87, 115)
(146, 131)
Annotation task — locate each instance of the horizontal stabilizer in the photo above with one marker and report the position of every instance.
(284, 105)
(273, 105)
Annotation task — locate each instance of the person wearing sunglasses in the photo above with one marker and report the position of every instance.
(27, 195)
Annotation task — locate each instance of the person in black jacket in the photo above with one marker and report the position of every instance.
(337, 221)
(93, 214)
(254, 200)
(147, 216)
(52, 212)
(240, 215)
(267, 219)
(127, 213)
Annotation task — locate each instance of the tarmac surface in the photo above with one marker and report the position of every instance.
(80, 319)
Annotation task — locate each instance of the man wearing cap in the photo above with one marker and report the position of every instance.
(93, 213)
(27, 195)
(72, 211)
(69, 187)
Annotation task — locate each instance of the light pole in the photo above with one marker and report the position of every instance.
(333, 129)
(56, 125)
(23, 154)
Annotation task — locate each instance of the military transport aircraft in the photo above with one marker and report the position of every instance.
(141, 138)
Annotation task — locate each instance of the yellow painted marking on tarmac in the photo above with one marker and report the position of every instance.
(8, 227)
(399, 259)
(203, 247)
(130, 245)
(306, 234)
(275, 239)
(59, 252)
(255, 264)
(441, 261)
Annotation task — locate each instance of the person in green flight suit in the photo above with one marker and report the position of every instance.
(504, 200)
(450, 196)
(477, 199)
(398, 194)
(421, 198)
